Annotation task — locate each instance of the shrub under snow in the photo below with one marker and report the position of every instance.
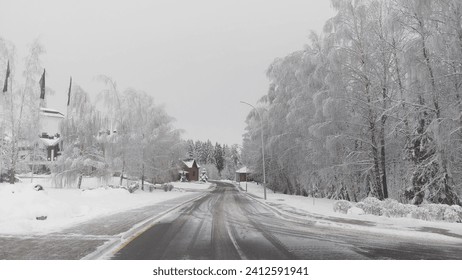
(451, 215)
(438, 212)
(394, 209)
(435, 211)
(421, 213)
(371, 205)
(342, 206)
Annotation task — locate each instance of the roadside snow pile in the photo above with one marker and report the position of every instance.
(393, 209)
(180, 186)
(355, 211)
(24, 209)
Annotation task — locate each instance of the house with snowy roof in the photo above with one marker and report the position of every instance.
(243, 174)
(190, 169)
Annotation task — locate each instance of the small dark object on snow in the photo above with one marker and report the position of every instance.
(38, 188)
(167, 187)
(133, 187)
(41, 218)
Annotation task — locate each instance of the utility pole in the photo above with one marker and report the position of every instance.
(262, 147)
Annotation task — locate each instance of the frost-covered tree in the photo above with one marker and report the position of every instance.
(20, 105)
(192, 149)
(118, 127)
(231, 161)
(153, 141)
(144, 144)
(82, 153)
(370, 107)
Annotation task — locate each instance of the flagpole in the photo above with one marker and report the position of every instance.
(35, 145)
(12, 130)
(32, 161)
(41, 104)
(69, 97)
(35, 149)
(5, 107)
(2, 115)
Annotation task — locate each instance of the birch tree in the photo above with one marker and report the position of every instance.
(20, 106)
(370, 107)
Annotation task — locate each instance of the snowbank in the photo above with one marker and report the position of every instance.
(24, 210)
(191, 186)
(393, 217)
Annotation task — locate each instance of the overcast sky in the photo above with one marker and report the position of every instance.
(198, 57)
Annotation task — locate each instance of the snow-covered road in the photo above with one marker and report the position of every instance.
(227, 224)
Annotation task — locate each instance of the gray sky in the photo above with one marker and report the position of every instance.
(198, 57)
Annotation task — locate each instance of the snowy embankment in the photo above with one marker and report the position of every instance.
(188, 186)
(24, 210)
(323, 211)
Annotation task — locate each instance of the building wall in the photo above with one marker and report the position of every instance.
(50, 125)
(242, 177)
(193, 174)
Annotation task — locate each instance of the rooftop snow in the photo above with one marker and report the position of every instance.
(51, 112)
(243, 170)
(190, 163)
(50, 142)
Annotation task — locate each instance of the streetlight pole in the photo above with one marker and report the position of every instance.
(262, 147)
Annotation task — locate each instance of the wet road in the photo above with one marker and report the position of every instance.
(226, 224)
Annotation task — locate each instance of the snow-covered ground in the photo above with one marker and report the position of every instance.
(188, 186)
(324, 208)
(21, 207)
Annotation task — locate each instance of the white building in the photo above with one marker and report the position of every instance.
(50, 121)
(49, 145)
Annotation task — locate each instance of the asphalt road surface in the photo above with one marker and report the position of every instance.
(227, 224)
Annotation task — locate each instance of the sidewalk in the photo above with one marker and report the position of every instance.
(79, 241)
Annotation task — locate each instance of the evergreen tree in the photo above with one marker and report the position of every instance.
(218, 156)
